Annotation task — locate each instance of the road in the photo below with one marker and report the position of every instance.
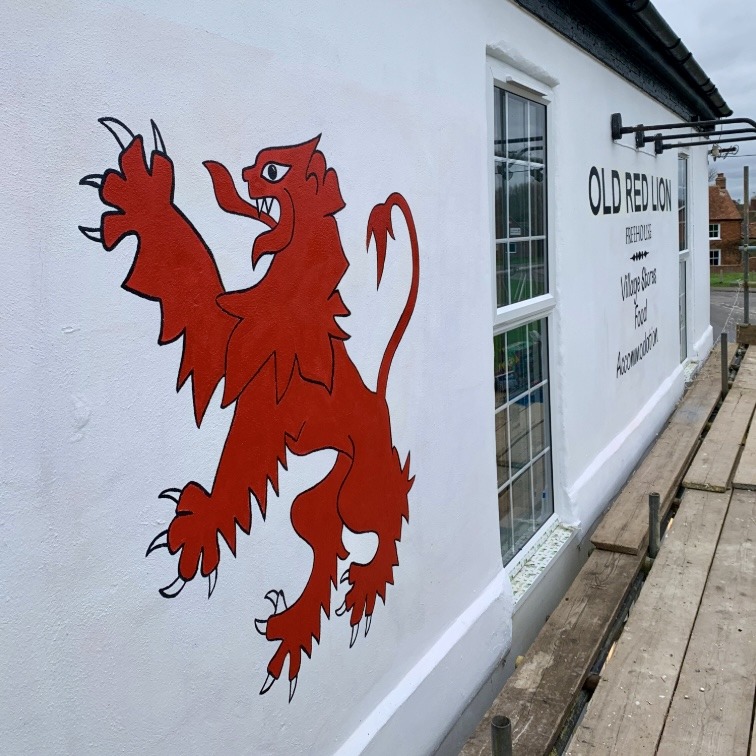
(727, 310)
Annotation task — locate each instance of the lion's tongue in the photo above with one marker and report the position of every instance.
(225, 191)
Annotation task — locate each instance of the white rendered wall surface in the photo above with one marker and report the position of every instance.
(94, 659)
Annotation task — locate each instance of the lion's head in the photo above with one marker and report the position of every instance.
(288, 185)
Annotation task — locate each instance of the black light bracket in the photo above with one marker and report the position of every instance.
(705, 133)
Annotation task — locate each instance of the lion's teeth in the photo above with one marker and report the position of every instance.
(268, 206)
(274, 209)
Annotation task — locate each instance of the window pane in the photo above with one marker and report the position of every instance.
(518, 189)
(506, 531)
(502, 446)
(537, 200)
(499, 150)
(517, 127)
(538, 273)
(522, 510)
(518, 254)
(500, 369)
(519, 419)
(502, 275)
(517, 361)
(538, 368)
(537, 133)
(539, 411)
(543, 503)
(500, 201)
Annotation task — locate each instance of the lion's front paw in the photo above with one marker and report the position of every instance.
(194, 533)
(140, 193)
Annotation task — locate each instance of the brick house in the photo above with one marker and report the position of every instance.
(725, 225)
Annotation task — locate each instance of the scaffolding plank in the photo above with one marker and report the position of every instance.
(627, 711)
(624, 527)
(713, 465)
(746, 377)
(713, 704)
(745, 472)
(540, 694)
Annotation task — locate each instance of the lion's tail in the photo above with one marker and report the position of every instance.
(379, 227)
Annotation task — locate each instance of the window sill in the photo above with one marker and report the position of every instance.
(528, 567)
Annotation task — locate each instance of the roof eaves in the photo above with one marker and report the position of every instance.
(631, 38)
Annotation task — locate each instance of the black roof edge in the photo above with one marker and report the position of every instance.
(632, 38)
(661, 30)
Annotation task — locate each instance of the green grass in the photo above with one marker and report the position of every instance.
(732, 279)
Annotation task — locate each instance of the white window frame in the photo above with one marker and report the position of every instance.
(718, 253)
(717, 233)
(511, 316)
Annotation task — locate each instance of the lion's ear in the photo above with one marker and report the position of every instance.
(331, 193)
(327, 189)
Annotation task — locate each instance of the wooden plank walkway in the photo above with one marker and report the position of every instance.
(713, 465)
(625, 526)
(746, 377)
(540, 695)
(745, 473)
(629, 707)
(713, 705)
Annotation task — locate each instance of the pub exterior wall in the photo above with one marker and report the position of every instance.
(95, 660)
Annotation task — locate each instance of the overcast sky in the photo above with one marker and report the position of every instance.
(722, 37)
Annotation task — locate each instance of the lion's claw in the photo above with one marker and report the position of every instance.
(160, 541)
(274, 597)
(116, 128)
(158, 137)
(93, 234)
(344, 576)
(92, 179)
(268, 684)
(342, 609)
(212, 579)
(368, 620)
(173, 590)
(269, 680)
(283, 601)
(170, 493)
(355, 633)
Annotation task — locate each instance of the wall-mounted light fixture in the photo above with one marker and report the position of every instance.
(705, 131)
(722, 152)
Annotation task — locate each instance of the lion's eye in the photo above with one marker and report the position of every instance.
(274, 171)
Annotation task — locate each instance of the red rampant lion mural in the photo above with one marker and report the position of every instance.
(281, 351)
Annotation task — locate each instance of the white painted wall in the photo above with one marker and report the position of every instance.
(602, 422)
(94, 660)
